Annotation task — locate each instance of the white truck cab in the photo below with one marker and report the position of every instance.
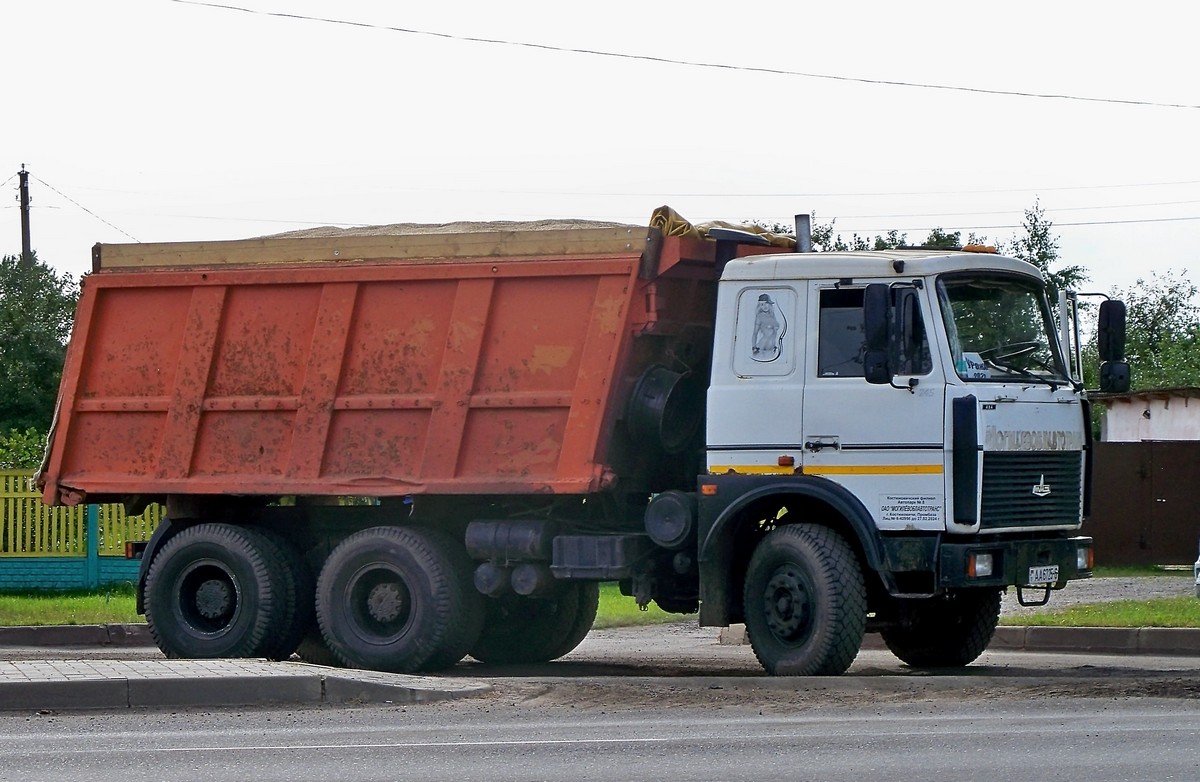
(919, 404)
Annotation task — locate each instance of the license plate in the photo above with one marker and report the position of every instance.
(1043, 574)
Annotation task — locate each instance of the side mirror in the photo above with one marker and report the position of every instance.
(1110, 336)
(876, 301)
(1114, 377)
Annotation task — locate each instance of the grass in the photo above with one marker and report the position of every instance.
(116, 606)
(1181, 611)
(109, 606)
(617, 610)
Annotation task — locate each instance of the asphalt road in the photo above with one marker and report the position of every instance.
(984, 740)
(664, 703)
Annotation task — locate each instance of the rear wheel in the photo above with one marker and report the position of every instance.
(585, 617)
(398, 599)
(313, 649)
(537, 629)
(944, 632)
(805, 602)
(212, 591)
(296, 588)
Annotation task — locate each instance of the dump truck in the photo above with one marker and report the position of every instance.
(392, 449)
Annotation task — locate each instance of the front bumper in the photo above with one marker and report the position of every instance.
(1012, 561)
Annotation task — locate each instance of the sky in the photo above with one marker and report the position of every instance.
(165, 120)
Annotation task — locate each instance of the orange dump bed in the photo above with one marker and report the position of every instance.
(483, 363)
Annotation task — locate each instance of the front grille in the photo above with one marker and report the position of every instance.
(1009, 480)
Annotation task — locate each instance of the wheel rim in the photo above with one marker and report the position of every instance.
(787, 604)
(209, 597)
(379, 603)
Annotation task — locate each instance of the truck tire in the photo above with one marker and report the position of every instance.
(314, 650)
(212, 591)
(805, 602)
(524, 630)
(298, 596)
(585, 617)
(398, 599)
(944, 632)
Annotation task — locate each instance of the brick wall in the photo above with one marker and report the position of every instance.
(118, 570)
(21, 573)
(43, 572)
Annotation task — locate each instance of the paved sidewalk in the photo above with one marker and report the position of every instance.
(1168, 641)
(120, 684)
(153, 682)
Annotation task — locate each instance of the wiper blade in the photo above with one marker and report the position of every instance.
(1025, 373)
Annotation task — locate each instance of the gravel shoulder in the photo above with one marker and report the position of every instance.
(1102, 590)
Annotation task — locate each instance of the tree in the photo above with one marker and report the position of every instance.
(1162, 339)
(1040, 247)
(893, 240)
(825, 239)
(941, 240)
(21, 449)
(36, 310)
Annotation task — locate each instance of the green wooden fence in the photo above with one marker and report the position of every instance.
(64, 547)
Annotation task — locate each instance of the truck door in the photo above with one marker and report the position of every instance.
(884, 443)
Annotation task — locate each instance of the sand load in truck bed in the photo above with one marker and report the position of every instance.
(374, 365)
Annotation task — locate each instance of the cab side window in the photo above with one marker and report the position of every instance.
(841, 344)
(910, 343)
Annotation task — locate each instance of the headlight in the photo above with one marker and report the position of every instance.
(1083, 558)
(981, 565)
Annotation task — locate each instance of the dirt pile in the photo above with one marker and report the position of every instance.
(459, 227)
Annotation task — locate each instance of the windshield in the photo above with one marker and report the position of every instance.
(1000, 328)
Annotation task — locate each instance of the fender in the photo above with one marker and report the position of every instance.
(722, 498)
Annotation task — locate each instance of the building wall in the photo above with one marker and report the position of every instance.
(1151, 418)
(1143, 503)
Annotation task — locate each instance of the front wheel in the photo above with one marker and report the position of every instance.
(944, 632)
(805, 602)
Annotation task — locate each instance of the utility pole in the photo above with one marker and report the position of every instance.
(26, 251)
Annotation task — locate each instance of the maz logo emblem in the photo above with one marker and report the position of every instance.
(1041, 488)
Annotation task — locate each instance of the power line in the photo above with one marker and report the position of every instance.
(1055, 224)
(879, 194)
(689, 63)
(1002, 211)
(84, 208)
(1124, 222)
(839, 217)
(835, 194)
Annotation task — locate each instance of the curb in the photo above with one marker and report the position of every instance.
(40, 686)
(77, 635)
(1009, 638)
(1166, 641)
(1103, 640)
